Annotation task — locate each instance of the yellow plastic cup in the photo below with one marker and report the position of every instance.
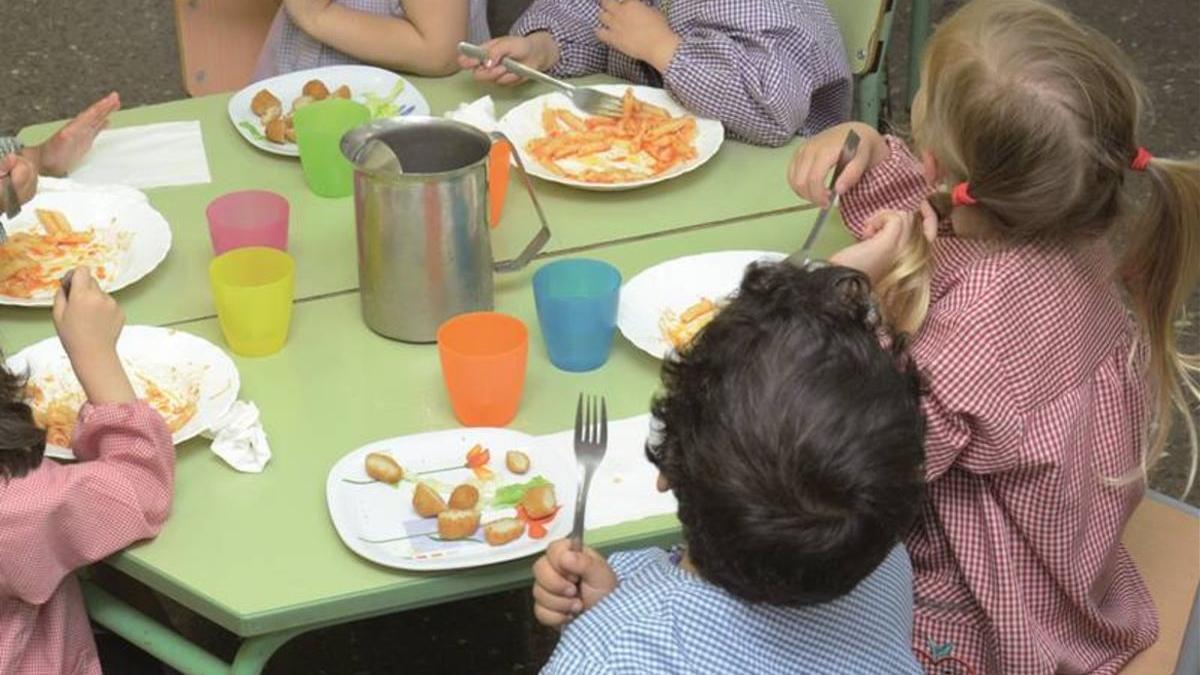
(319, 130)
(253, 289)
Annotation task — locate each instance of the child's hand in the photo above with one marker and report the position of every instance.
(23, 175)
(885, 234)
(536, 50)
(639, 31)
(818, 156)
(89, 322)
(60, 154)
(566, 583)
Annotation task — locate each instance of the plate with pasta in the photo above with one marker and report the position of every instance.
(113, 231)
(664, 307)
(188, 380)
(654, 140)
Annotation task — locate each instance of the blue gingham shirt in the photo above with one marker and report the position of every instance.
(662, 619)
(768, 69)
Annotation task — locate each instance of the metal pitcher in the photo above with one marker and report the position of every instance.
(424, 250)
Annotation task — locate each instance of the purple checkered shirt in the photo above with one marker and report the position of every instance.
(768, 69)
(288, 48)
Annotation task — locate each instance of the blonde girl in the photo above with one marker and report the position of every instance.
(1051, 362)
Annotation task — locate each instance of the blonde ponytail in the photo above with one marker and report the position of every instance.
(1160, 270)
(904, 291)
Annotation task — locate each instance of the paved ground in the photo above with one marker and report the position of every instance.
(54, 63)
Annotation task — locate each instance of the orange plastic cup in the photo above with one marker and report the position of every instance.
(483, 363)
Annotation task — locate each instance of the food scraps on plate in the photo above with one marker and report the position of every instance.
(680, 329)
(34, 262)
(57, 413)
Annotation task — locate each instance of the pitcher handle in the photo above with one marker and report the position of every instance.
(539, 240)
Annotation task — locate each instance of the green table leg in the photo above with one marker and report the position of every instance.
(918, 33)
(170, 647)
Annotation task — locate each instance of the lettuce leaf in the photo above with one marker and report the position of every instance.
(511, 495)
(252, 130)
(384, 106)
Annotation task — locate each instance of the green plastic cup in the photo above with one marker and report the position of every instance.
(319, 130)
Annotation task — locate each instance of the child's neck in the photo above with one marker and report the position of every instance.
(685, 564)
(973, 223)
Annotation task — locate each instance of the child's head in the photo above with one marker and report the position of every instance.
(1040, 115)
(21, 442)
(791, 438)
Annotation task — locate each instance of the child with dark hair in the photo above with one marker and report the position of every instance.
(792, 441)
(56, 518)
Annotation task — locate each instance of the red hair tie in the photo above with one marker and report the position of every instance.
(961, 195)
(1141, 159)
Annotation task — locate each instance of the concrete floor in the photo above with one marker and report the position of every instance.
(61, 54)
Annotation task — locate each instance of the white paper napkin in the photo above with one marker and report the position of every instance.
(151, 155)
(624, 488)
(480, 113)
(239, 439)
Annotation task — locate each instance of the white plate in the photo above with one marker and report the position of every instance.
(676, 285)
(363, 514)
(164, 354)
(287, 88)
(113, 212)
(524, 123)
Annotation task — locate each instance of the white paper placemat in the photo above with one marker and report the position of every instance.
(625, 486)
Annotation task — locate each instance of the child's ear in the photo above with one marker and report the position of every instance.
(930, 167)
(662, 484)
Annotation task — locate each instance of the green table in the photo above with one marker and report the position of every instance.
(740, 181)
(257, 554)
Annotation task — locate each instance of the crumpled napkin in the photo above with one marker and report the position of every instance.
(145, 156)
(480, 113)
(239, 439)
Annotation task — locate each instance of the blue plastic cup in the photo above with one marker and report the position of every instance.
(577, 309)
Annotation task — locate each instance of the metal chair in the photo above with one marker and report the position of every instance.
(866, 27)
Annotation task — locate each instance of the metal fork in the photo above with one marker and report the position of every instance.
(587, 99)
(803, 257)
(591, 440)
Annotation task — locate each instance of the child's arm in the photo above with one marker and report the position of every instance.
(883, 175)
(571, 24)
(423, 41)
(567, 583)
(752, 65)
(61, 517)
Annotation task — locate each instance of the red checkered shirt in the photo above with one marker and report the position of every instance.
(768, 69)
(61, 517)
(1036, 403)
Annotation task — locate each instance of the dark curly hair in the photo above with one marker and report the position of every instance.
(792, 438)
(22, 443)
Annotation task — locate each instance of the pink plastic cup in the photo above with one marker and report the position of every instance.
(248, 218)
